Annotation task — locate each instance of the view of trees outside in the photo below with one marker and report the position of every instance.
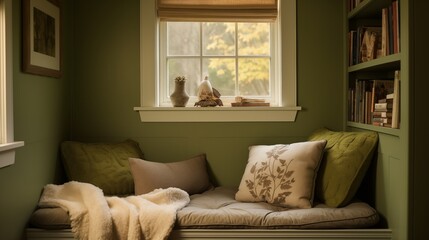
(235, 56)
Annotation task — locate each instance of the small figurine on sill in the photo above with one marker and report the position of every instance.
(207, 95)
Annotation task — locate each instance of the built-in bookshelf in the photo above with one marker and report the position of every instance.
(374, 65)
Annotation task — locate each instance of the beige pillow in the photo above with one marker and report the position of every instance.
(189, 175)
(282, 174)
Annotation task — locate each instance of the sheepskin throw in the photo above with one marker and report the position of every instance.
(95, 216)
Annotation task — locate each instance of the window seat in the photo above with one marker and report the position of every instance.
(216, 214)
(334, 211)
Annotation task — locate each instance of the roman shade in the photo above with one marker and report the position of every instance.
(217, 10)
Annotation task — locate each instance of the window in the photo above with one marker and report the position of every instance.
(237, 57)
(194, 41)
(7, 145)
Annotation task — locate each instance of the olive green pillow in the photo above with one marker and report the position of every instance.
(344, 164)
(103, 164)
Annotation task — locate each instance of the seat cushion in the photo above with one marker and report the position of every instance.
(218, 209)
(344, 164)
(50, 218)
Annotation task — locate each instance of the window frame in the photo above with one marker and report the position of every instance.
(7, 143)
(150, 109)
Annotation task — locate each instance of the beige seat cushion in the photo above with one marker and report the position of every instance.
(218, 209)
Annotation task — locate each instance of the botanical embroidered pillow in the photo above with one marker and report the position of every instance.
(282, 174)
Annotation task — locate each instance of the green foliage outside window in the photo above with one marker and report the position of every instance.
(218, 49)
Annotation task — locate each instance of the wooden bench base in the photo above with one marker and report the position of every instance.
(254, 234)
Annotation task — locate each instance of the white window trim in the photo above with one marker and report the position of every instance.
(150, 111)
(7, 144)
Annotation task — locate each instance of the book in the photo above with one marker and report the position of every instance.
(384, 32)
(382, 114)
(352, 42)
(383, 106)
(249, 100)
(370, 47)
(250, 104)
(396, 100)
(395, 27)
(382, 120)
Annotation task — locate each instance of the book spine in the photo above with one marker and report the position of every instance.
(395, 26)
(397, 16)
(396, 100)
(384, 35)
(390, 29)
(383, 106)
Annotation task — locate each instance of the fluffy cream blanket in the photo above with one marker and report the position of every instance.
(94, 216)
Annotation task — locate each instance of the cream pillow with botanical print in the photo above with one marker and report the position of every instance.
(282, 174)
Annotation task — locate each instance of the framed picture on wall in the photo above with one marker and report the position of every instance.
(41, 37)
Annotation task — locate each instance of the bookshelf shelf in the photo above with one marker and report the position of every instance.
(386, 62)
(385, 130)
(367, 8)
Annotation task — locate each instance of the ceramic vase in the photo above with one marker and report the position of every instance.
(179, 98)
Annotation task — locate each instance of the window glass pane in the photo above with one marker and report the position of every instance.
(218, 39)
(253, 76)
(253, 39)
(188, 67)
(183, 38)
(221, 73)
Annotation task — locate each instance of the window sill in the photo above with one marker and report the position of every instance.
(7, 153)
(218, 114)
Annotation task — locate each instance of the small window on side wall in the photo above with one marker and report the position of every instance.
(7, 143)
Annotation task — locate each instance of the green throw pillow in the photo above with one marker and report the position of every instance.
(103, 164)
(344, 165)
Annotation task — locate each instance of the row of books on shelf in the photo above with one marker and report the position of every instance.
(371, 41)
(375, 101)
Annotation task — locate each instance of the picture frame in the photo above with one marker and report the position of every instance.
(41, 25)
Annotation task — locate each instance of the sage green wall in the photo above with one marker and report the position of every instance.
(106, 88)
(41, 112)
(101, 63)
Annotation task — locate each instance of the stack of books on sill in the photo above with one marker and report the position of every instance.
(249, 102)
